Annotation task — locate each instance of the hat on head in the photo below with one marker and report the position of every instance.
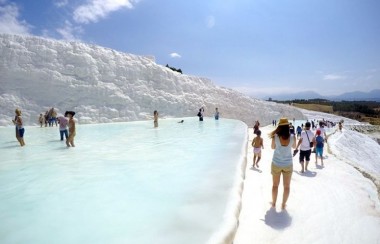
(283, 121)
(318, 132)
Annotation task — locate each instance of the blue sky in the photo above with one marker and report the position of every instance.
(259, 47)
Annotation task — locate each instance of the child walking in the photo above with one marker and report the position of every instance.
(257, 144)
(319, 144)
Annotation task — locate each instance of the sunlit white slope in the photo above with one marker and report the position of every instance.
(355, 148)
(104, 85)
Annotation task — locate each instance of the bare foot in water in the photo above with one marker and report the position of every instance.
(283, 206)
(273, 204)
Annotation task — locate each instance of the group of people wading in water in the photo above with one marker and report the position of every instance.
(64, 121)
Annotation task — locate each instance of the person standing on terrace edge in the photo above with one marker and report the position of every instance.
(19, 127)
(155, 118)
(282, 162)
(200, 113)
(216, 114)
(72, 130)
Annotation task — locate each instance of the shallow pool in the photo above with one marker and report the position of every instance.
(123, 183)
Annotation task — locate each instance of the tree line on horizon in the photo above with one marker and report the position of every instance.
(369, 108)
(174, 69)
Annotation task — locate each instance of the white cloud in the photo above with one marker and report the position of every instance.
(94, 10)
(333, 77)
(70, 32)
(61, 3)
(175, 55)
(210, 22)
(9, 20)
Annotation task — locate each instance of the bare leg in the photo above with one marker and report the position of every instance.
(303, 167)
(316, 159)
(276, 182)
(286, 181)
(254, 160)
(257, 162)
(307, 163)
(322, 160)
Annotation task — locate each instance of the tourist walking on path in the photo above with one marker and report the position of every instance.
(216, 114)
(323, 130)
(299, 130)
(257, 144)
(318, 144)
(282, 162)
(63, 121)
(306, 143)
(256, 127)
(291, 129)
(155, 118)
(19, 127)
(72, 130)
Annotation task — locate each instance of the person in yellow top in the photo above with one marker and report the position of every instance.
(257, 144)
(72, 131)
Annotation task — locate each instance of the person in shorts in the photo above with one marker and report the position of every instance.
(257, 144)
(305, 143)
(282, 162)
(318, 144)
(63, 121)
(20, 130)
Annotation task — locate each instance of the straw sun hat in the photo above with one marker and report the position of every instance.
(283, 121)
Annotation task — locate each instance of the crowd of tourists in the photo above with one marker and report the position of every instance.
(306, 139)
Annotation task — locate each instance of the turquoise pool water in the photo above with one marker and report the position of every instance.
(123, 183)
